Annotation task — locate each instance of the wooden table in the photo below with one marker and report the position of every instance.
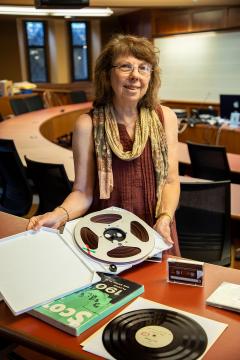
(42, 337)
(213, 135)
(33, 133)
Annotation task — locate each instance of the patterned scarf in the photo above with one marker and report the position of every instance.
(107, 139)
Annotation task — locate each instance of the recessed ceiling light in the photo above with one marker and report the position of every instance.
(30, 10)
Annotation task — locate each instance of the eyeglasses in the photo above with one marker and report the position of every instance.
(143, 69)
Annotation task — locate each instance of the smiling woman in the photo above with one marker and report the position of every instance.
(129, 81)
(125, 149)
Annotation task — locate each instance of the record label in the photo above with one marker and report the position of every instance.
(154, 336)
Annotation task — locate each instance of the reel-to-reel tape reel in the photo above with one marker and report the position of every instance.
(112, 237)
(116, 239)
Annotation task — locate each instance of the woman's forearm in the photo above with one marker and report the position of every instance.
(76, 204)
(170, 197)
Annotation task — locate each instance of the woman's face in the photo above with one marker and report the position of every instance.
(130, 78)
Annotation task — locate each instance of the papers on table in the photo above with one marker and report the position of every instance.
(226, 296)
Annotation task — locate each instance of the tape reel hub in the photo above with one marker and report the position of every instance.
(114, 233)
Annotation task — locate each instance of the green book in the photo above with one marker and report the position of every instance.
(77, 312)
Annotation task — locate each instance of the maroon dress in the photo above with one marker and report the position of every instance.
(134, 186)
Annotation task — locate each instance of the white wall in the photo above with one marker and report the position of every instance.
(199, 67)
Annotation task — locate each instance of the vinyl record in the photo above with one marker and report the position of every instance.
(154, 334)
(113, 237)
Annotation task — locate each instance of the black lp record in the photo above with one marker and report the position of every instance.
(154, 334)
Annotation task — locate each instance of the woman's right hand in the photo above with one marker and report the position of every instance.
(53, 219)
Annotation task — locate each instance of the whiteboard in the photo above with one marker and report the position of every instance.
(199, 67)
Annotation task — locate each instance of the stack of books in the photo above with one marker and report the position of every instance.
(77, 312)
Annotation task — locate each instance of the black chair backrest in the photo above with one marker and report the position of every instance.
(17, 195)
(207, 111)
(18, 106)
(209, 161)
(34, 103)
(51, 182)
(78, 96)
(203, 222)
(23, 105)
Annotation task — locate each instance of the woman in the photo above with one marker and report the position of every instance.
(125, 149)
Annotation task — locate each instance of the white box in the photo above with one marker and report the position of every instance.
(6, 87)
(38, 267)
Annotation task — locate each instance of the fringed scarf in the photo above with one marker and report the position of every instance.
(107, 139)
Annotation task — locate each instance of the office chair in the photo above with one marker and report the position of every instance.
(18, 106)
(51, 183)
(78, 96)
(209, 161)
(65, 140)
(6, 350)
(203, 222)
(16, 197)
(34, 103)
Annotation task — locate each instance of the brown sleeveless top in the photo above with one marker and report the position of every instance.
(134, 186)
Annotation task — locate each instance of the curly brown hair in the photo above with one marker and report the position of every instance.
(140, 48)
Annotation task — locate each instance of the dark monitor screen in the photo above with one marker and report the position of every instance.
(229, 104)
(62, 4)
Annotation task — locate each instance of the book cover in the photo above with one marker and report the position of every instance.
(77, 312)
(226, 296)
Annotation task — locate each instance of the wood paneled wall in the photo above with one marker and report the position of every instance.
(9, 54)
(155, 23)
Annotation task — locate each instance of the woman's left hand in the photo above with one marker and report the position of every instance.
(162, 226)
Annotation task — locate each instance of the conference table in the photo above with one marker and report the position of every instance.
(35, 135)
(223, 135)
(37, 335)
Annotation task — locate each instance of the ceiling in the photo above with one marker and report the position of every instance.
(162, 3)
(124, 6)
(140, 3)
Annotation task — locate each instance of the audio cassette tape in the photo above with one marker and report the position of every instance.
(113, 239)
(185, 271)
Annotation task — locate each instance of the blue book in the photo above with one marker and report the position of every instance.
(77, 312)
